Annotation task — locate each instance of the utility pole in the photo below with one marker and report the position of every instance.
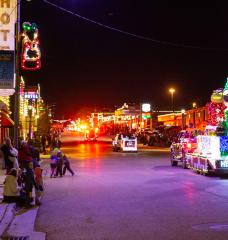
(17, 83)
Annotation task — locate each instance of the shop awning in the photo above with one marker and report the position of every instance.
(5, 120)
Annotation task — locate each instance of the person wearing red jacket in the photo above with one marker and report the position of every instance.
(24, 155)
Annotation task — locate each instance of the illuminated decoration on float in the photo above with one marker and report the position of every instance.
(217, 96)
(31, 55)
(224, 145)
(216, 108)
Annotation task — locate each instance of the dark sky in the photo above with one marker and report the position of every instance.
(87, 65)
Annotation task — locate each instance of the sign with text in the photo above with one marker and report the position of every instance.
(8, 16)
(31, 95)
(6, 69)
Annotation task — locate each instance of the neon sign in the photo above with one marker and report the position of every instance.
(7, 23)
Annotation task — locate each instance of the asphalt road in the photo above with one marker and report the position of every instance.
(131, 196)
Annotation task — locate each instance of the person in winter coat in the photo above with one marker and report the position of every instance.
(11, 190)
(66, 166)
(35, 153)
(39, 184)
(6, 149)
(59, 169)
(24, 155)
(29, 182)
(53, 165)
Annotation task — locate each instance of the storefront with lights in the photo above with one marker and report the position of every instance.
(197, 118)
(30, 101)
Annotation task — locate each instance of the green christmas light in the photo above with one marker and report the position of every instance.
(226, 86)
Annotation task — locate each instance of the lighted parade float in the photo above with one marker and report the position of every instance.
(206, 152)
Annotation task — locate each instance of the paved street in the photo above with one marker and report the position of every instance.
(131, 196)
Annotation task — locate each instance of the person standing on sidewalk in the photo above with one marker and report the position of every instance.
(6, 149)
(66, 166)
(39, 184)
(29, 182)
(11, 190)
(24, 155)
(35, 153)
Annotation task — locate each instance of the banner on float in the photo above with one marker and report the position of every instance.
(7, 70)
(8, 16)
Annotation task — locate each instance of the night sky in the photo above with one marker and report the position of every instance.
(86, 65)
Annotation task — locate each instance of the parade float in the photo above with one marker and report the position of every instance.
(209, 154)
(124, 143)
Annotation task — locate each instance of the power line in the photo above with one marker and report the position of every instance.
(161, 42)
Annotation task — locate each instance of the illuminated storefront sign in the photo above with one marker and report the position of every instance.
(146, 107)
(146, 115)
(7, 24)
(31, 95)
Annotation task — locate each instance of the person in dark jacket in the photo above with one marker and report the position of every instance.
(6, 149)
(66, 166)
(59, 169)
(53, 165)
(24, 155)
(35, 153)
(29, 182)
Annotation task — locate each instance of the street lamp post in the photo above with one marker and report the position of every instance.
(194, 105)
(172, 91)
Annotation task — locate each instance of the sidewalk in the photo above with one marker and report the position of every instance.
(17, 225)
